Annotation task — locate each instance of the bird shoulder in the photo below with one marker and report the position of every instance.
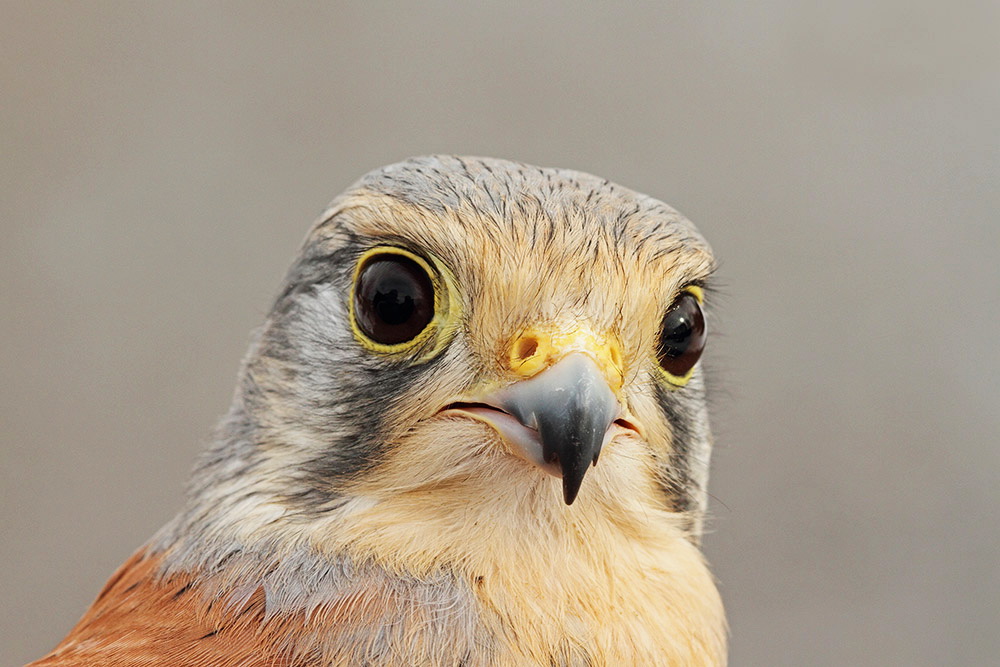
(142, 618)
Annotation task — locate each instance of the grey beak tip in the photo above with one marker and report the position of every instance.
(571, 489)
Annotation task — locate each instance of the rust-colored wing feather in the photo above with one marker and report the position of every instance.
(142, 619)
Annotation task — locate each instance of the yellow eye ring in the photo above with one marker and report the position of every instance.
(682, 337)
(402, 303)
(697, 291)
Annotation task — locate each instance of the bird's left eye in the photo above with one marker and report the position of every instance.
(393, 299)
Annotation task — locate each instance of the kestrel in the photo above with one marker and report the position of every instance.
(471, 431)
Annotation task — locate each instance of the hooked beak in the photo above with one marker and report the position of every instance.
(559, 419)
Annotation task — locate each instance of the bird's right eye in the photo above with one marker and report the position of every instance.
(393, 302)
(682, 336)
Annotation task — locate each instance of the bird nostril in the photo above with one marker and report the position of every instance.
(525, 347)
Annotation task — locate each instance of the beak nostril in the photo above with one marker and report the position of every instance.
(526, 347)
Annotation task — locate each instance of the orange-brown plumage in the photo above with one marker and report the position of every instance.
(144, 618)
(140, 618)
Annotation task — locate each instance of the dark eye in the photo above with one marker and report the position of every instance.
(682, 336)
(393, 300)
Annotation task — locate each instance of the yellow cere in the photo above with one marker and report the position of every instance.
(537, 348)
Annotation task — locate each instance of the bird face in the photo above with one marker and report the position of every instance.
(484, 330)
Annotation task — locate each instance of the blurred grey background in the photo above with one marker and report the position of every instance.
(162, 161)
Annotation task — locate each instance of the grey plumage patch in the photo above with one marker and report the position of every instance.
(682, 474)
(549, 202)
(435, 616)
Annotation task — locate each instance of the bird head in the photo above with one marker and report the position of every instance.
(475, 337)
